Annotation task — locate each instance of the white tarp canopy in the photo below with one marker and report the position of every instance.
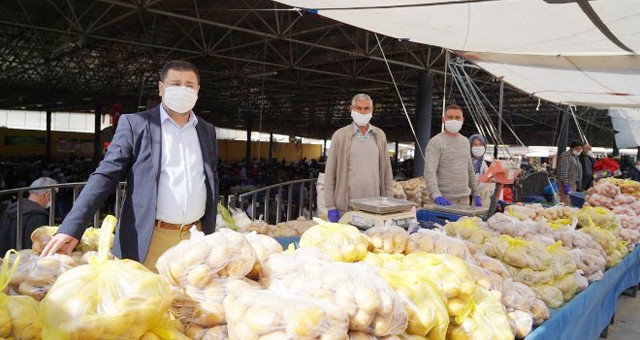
(626, 122)
(565, 51)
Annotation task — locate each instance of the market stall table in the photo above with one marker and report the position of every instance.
(590, 311)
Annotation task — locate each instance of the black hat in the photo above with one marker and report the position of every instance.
(575, 144)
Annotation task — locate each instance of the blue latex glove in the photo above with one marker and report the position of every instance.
(442, 201)
(567, 188)
(333, 215)
(478, 201)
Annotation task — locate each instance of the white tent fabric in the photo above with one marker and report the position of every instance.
(597, 81)
(627, 124)
(576, 52)
(500, 26)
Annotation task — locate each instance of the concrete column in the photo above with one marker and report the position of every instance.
(247, 153)
(324, 149)
(395, 156)
(424, 112)
(270, 147)
(47, 139)
(97, 147)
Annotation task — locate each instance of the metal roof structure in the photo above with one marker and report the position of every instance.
(292, 71)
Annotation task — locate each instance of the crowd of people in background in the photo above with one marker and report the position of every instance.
(235, 178)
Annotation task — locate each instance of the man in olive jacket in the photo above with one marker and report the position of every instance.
(358, 164)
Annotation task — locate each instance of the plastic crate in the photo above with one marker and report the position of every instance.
(577, 198)
(436, 216)
(533, 199)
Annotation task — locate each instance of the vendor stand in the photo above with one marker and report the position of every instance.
(590, 312)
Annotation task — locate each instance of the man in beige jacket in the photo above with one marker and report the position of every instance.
(358, 165)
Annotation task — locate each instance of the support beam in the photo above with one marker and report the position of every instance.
(495, 149)
(563, 132)
(395, 155)
(424, 112)
(270, 148)
(47, 139)
(97, 148)
(324, 149)
(247, 152)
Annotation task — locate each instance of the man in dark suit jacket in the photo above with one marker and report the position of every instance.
(171, 180)
(587, 161)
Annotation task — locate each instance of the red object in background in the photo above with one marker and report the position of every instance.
(116, 111)
(606, 164)
(507, 195)
(105, 146)
(503, 172)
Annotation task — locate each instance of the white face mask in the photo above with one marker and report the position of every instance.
(590, 154)
(48, 205)
(638, 167)
(453, 126)
(477, 151)
(577, 153)
(361, 119)
(180, 99)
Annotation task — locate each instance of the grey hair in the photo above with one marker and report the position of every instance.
(42, 182)
(361, 96)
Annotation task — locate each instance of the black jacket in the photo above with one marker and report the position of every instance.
(33, 216)
(587, 171)
(634, 174)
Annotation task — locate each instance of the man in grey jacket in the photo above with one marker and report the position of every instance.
(569, 171)
(168, 156)
(448, 166)
(358, 164)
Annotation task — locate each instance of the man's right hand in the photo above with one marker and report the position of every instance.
(567, 188)
(333, 215)
(60, 243)
(442, 201)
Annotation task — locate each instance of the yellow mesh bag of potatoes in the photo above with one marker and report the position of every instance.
(281, 314)
(372, 306)
(42, 235)
(19, 315)
(486, 319)
(105, 299)
(341, 242)
(550, 295)
(195, 262)
(437, 242)
(390, 240)
(601, 217)
(450, 274)
(562, 262)
(427, 313)
(263, 246)
(469, 228)
(202, 306)
(518, 252)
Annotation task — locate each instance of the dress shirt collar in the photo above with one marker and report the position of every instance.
(193, 120)
(356, 131)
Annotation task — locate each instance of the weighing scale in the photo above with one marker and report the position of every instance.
(458, 209)
(380, 211)
(502, 173)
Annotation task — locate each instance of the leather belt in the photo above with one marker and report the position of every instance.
(172, 226)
